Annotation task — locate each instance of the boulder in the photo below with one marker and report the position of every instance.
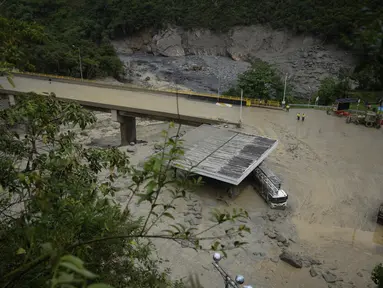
(168, 43)
(272, 217)
(274, 259)
(237, 54)
(313, 271)
(329, 277)
(291, 258)
(281, 238)
(131, 149)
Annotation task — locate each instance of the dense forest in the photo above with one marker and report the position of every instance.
(89, 25)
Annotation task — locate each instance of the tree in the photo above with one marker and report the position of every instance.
(328, 91)
(56, 200)
(91, 24)
(15, 36)
(377, 275)
(261, 81)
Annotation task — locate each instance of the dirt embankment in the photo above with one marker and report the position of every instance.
(187, 57)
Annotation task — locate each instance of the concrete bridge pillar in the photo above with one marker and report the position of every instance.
(11, 100)
(127, 127)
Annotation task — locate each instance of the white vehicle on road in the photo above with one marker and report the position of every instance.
(269, 187)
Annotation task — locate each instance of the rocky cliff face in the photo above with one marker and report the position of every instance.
(305, 59)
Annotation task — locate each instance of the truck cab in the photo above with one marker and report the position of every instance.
(279, 200)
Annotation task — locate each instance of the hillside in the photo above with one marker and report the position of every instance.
(91, 24)
(210, 61)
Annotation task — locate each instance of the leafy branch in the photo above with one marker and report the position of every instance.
(66, 200)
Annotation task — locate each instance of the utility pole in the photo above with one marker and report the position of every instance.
(240, 109)
(79, 58)
(311, 92)
(219, 80)
(284, 92)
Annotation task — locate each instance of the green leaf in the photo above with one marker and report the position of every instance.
(74, 260)
(214, 247)
(167, 214)
(150, 187)
(21, 251)
(82, 271)
(157, 165)
(65, 278)
(175, 227)
(168, 206)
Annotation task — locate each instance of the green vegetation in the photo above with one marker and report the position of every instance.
(90, 24)
(333, 88)
(261, 81)
(32, 47)
(56, 199)
(329, 90)
(377, 275)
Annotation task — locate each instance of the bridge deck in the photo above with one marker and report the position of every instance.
(225, 155)
(136, 103)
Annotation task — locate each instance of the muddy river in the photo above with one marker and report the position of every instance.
(333, 174)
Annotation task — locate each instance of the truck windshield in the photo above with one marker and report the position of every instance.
(278, 200)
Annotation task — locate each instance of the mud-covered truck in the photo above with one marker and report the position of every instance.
(269, 187)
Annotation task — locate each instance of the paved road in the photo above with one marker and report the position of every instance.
(124, 98)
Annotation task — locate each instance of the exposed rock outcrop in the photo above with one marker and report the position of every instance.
(305, 59)
(168, 43)
(138, 42)
(204, 42)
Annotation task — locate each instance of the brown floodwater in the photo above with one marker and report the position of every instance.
(333, 173)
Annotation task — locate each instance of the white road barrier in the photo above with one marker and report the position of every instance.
(223, 104)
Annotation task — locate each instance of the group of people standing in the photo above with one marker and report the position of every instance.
(299, 116)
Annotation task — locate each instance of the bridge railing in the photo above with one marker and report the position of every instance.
(320, 107)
